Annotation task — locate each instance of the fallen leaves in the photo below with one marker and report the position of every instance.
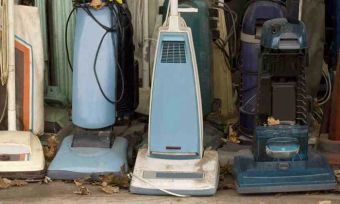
(82, 190)
(6, 183)
(233, 137)
(109, 184)
(120, 180)
(325, 202)
(18, 183)
(226, 181)
(77, 182)
(110, 189)
(51, 149)
(226, 169)
(272, 121)
(47, 180)
(97, 4)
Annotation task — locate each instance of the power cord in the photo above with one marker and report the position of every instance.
(66, 38)
(114, 15)
(155, 186)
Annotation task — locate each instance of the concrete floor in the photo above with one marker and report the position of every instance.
(59, 192)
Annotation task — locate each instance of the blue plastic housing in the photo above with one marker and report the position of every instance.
(269, 177)
(298, 135)
(89, 107)
(174, 115)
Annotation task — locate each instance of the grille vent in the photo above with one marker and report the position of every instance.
(173, 52)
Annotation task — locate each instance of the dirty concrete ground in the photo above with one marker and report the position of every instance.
(59, 192)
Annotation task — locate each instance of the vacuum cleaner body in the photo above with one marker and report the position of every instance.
(281, 161)
(21, 153)
(174, 159)
(256, 14)
(91, 150)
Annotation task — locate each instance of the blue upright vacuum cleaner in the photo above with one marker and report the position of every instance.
(92, 150)
(175, 161)
(281, 160)
(256, 14)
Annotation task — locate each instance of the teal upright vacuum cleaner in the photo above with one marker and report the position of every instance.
(92, 150)
(281, 160)
(175, 161)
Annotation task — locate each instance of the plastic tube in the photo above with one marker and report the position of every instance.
(146, 43)
(11, 66)
(174, 8)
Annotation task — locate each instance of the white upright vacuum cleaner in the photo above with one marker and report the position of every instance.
(21, 153)
(175, 162)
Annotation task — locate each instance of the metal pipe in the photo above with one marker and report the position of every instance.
(174, 8)
(146, 43)
(11, 65)
(300, 9)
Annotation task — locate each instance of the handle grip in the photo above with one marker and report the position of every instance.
(282, 148)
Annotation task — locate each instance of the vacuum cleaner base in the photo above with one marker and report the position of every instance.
(21, 155)
(187, 177)
(79, 162)
(272, 177)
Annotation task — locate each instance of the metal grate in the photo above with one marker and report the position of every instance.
(173, 52)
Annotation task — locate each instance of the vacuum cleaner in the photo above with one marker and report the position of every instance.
(93, 149)
(257, 13)
(281, 161)
(21, 153)
(174, 161)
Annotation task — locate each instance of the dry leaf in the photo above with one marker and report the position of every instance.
(325, 202)
(18, 183)
(51, 149)
(226, 169)
(104, 184)
(233, 137)
(52, 141)
(4, 183)
(110, 189)
(122, 181)
(47, 180)
(97, 4)
(272, 121)
(8, 181)
(77, 182)
(82, 191)
(83, 181)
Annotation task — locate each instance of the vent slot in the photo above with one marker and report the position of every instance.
(173, 52)
(173, 175)
(173, 148)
